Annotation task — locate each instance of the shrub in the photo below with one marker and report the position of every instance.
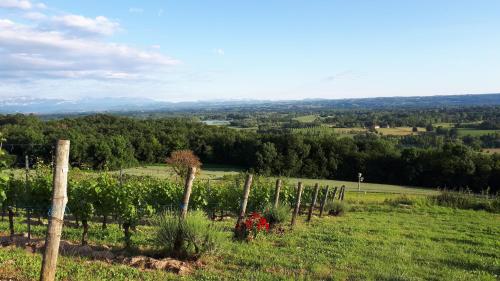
(251, 227)
(336, 208)
(277, 215)
(189, 238)
(461, 200)
(454, 200)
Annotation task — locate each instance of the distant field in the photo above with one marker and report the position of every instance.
(306, 118)
(475, 132)
(492, 150)
(399, 131)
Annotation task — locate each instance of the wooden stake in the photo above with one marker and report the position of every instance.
(297, 204)
(56, 216)
(323, 203)
(313, 203)
(277, 193)
(334, 193)
(343, 193)
(244, 202)
(187, 191)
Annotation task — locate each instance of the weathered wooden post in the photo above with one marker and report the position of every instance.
(313, 203)
(334, 193)
(323, 203)
(297, 204)
(277, 193)
(188, 186)
(340, 193)
(56, 216)
(343, 193)
(244, 202)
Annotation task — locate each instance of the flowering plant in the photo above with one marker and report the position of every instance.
(251, 227)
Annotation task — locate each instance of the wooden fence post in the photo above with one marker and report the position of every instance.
(323, 203)
(297, 204)
(340, 193)
(343, 193)
(56, 216)
(313, 203)
(277, 193)
(334, 193)
(244, 202)
(188, 186)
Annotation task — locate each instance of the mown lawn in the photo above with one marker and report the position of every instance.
(215, 172)
(374, 241)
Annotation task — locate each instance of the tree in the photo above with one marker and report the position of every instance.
(429, 127)
(181, 160)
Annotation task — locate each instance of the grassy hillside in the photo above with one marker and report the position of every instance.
(374, 241)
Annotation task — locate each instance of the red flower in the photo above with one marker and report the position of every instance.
(262, 220)
(255, 215)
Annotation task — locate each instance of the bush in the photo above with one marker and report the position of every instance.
(336, 208)
(461, 200)
(189, 238)
(276, 215)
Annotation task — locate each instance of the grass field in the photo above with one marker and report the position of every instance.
(399, 131)
(492, 150)
(475, 132)
(374, 241)
(306, 118)
(215, 172)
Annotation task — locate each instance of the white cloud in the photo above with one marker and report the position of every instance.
(41, 6)
(136, 10)
(100, 25)
(155, 46)
(16, 4)
(26, 51)
(160, 12)
(35, 16)
(219, 51)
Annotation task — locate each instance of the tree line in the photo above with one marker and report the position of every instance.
(110, 142)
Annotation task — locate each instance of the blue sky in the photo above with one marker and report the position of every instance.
(203, 50)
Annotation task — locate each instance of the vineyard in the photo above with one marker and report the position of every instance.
(111, 222)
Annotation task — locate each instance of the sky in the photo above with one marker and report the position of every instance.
(187, 50)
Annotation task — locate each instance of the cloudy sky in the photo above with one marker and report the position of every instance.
(279, 49)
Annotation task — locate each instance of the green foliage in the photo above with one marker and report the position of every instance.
(439, 158)
(463, 200)
(337, 208)
(189, 238)
(277, 215)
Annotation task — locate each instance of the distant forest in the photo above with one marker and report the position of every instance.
(433, 159)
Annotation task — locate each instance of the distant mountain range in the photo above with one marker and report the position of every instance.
(123, 105)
